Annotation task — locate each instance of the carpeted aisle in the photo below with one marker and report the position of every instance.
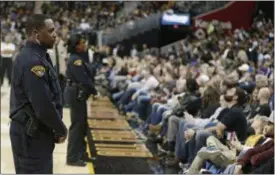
(115, 146)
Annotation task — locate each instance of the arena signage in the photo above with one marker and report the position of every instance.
(204, 24)
(237, 14)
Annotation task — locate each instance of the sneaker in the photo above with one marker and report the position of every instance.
(162, 154)
(185, 172)
(133, 123)
(205, 171)
(184, 166)
(163, 147)
(155, 128)
(209, 152)
(139, 132)
(130, 115)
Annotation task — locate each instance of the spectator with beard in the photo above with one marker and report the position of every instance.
(234, 121)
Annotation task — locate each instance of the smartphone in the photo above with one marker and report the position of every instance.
(230, 136)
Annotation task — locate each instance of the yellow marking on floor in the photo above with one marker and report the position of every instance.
(90, 164)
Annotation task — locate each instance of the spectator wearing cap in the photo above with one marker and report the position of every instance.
(246, 81)
(245, 75)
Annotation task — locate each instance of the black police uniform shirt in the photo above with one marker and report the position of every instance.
(35, 82)
(77, 72)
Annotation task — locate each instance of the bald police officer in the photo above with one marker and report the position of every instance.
(79, 87)
(36, 101)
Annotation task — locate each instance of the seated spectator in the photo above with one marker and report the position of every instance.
(262, 106)
(234, 121)
(258, 156)
(224, 154)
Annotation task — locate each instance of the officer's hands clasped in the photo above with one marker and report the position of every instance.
(60, 139)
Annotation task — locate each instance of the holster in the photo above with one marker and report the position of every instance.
(27, 118)
(82, 93)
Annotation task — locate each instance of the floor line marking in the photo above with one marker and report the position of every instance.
(90, 164)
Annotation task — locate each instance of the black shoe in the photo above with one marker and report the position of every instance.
(86, 158)
(77, 163)
(89, 159)
(162, 154)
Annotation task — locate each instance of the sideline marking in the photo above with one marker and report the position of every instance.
(90, 164)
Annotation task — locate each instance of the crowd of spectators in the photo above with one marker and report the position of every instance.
(208, 108)
(13, 18)
(81, 15)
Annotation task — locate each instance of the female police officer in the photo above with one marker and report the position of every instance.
(79, 87)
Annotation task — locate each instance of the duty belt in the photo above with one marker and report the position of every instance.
(71, 83)
(22, 118)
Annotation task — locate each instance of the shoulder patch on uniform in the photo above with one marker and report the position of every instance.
(38, 70)
(78, 62)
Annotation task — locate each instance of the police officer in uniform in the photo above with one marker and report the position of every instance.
(36, 101)
(79, 87)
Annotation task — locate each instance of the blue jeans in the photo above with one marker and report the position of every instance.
(154, 108)
(141, 108)
(130, 106)
(157, 116)
(126, 97)
(118, 95)
(180, 147)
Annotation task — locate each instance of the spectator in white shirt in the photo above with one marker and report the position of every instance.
(7, 53)
(150, 82)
